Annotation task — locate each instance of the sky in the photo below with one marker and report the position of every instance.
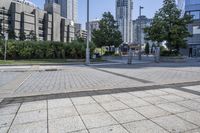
(98, 7)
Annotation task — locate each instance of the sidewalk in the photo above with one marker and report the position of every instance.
(106, 98)
(153, 111)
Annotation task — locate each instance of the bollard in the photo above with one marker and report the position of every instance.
(130, 57)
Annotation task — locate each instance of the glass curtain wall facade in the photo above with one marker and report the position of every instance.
(192, 7)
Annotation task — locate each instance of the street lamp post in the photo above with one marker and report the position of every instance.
(140, 48)
(3, 8)
(88, 32)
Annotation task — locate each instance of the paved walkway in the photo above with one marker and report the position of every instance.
(41, 80)
(114, 98)
(153, 111)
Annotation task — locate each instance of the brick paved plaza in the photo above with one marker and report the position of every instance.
(152, 98)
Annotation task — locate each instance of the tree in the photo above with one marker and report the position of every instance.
(169, 26)
(147, 49)
(22, 36)
(108, 33)
(32, 36)
(11, 34)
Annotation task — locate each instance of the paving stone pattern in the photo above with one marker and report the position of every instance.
(132, 112)
(6, 77)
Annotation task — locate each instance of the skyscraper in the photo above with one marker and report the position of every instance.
(124, 10)
(181, 5)
(192, 7)
(68, 8)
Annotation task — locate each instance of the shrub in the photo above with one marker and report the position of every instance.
(107, 53)
(45, 50)
(169, 53)
(1, 49)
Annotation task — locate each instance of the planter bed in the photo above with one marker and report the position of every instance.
(175, 59)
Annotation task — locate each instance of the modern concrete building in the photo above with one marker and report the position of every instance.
(192, 7)
(79, 33)
(69, 8)
(21, 16)
(138, 34)
(93, 25)
(124, 10)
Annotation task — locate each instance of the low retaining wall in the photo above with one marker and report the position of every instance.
(173, 59)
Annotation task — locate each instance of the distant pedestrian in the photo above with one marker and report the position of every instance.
(190, 52)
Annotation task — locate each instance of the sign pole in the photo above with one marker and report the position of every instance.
(6, 41)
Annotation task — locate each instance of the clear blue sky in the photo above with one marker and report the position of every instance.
(97, 7)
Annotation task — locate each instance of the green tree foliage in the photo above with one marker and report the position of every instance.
(22, 36)
(11, 34)
(147, 47)
(108, 33)
(32, 36)
(169, 26)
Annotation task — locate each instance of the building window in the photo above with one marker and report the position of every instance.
(195, 14)
(192, 2)
(196, 30)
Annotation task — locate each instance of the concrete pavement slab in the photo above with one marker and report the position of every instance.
(173, 98)
(143, 127)
(157, 92)
(188, 95)
(61, 112)
(82, 131)
(123, 96)
(9, 109)
(57, 103)
(198, 100)
(98, 120)
(193, 117)
(135, 102)
(112, 106)
(127, 115)
(63, 125)
(82, 100)
(151, 111)
(173, 108)
(174, 124)
(4, 129)
(155, 100)
(193, 131)
(33, 116)
(31, 106)
(109, 129)
(141, 94)
(6, 120)
(180, 93)
(192, 105)
(89, 109)
(36, 127)
(104, 98)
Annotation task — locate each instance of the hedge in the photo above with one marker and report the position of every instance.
(44, 50)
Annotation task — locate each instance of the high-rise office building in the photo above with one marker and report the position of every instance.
(124, 10)
(93, 25)
(137, 34)
(192, 7)
(69, 8)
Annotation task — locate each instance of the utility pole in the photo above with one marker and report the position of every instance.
(140, 48)
(88, 32)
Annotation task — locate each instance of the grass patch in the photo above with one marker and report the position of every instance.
(46, 61)
(34, 61)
